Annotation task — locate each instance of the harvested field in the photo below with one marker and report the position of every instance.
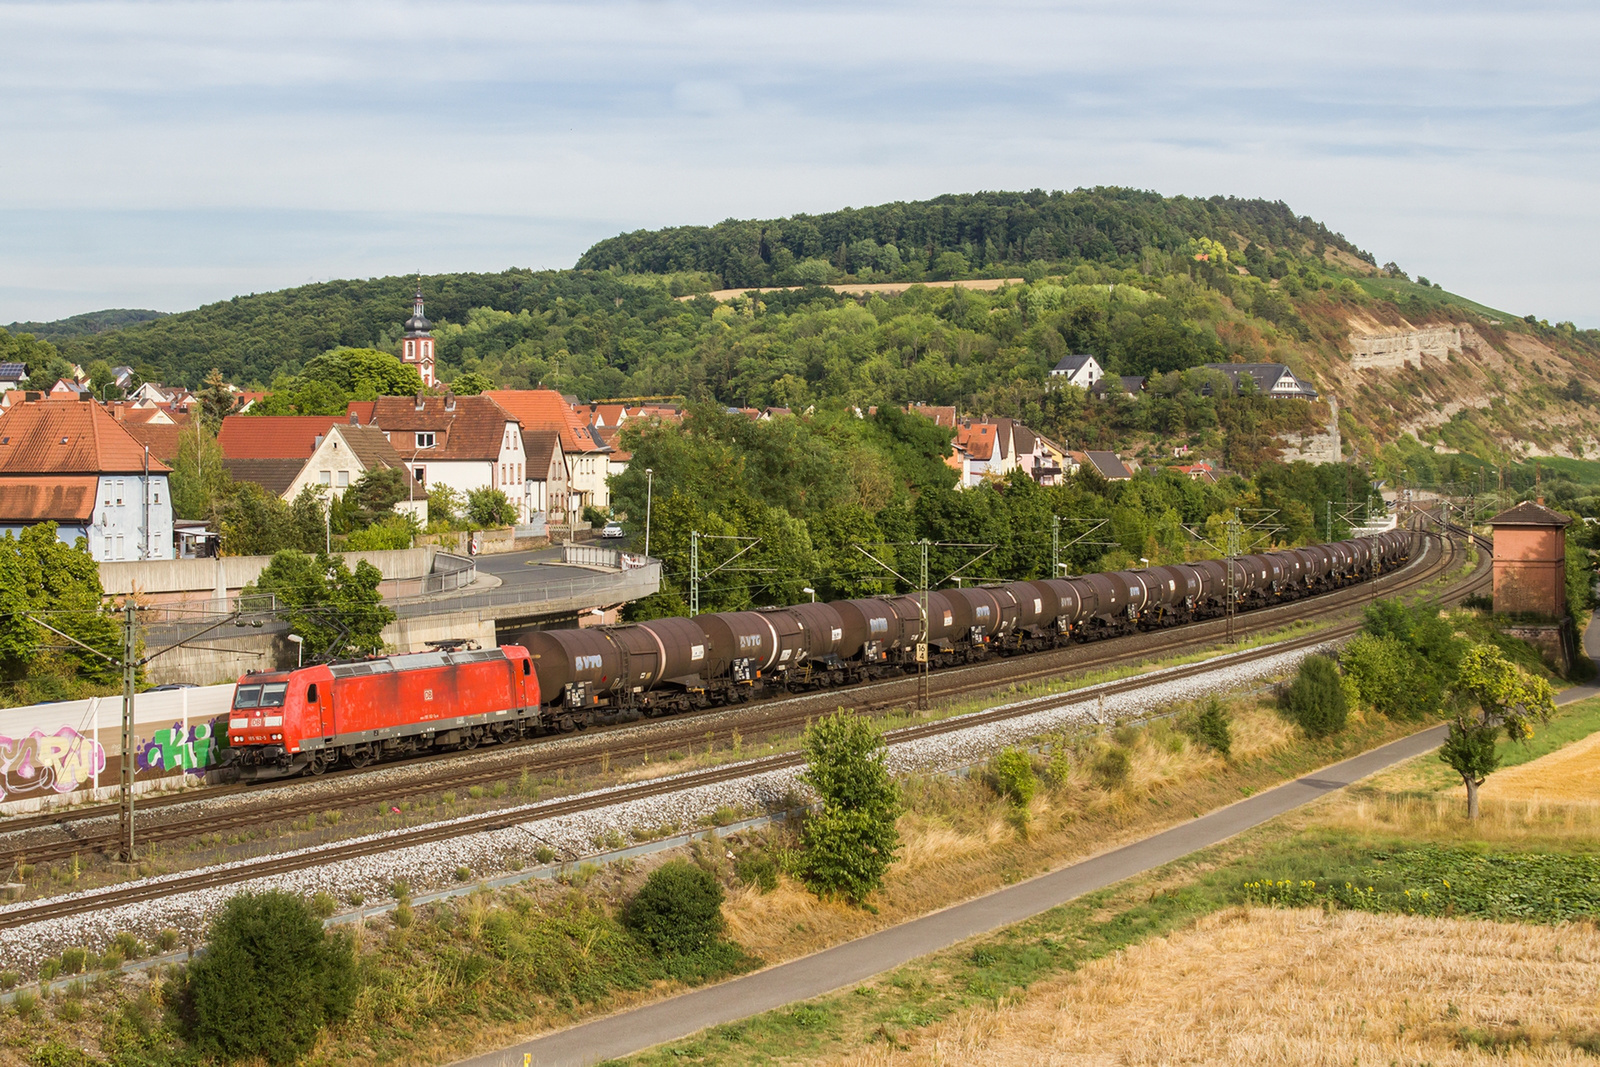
(1303, 987)
(1570, 773)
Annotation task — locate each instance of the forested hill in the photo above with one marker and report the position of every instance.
(950, 235)
(90, 322)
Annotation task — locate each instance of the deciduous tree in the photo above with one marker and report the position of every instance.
(1495, 695)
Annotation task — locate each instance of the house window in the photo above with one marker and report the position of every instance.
(326, 477)
(344, 479)
(121, 487)
(421, 475)
(424, 440)
(158, 495)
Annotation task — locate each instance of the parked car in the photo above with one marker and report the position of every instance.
(612, 529)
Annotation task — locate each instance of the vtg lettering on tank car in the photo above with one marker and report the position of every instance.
(289, 722)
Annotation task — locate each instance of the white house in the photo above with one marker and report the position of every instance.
(13, 376)
(68, 461)
(588, 457)
(1082, 371)
(346, 452)
(465, 442)
(1271, 379)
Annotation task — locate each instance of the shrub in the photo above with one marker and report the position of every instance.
(74, 960)
(757, 869)
(323, 904)
(849, 845)
(1111, 769)
(1011, 774)
(678, 910)
(488, 507)
(129, 945)
(9, 979)
(1210, 725)
(1316, 699)
(167, 939)
(270, 979)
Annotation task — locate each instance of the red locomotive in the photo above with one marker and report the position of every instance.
(305, 721)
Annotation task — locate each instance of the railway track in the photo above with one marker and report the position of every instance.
(27, 913)
(80, 834)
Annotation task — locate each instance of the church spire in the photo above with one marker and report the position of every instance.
(416, 345)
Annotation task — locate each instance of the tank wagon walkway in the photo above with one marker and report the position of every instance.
(854, 961)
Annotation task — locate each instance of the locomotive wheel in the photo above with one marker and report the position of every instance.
(470, 742)
(319, 763)
(360, 756)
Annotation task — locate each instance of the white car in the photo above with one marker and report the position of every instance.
(612, 529)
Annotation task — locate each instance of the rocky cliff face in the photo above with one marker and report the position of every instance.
(1462, 381)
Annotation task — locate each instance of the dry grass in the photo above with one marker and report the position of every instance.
(1570, 773)
(1302, 987)
(960, 841)
(1443, 818)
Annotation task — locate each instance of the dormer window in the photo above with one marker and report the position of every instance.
(424, 440)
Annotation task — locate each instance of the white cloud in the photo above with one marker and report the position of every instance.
(1457, 139)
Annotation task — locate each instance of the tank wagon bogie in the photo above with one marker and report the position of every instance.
(306, 720)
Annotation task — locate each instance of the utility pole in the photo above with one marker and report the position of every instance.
(1233, 552)
(694, 573)
(1330, 521)
(130, 668)
(1055, 546)
(924, 653)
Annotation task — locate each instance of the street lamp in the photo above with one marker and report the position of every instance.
(649, 493)
(300, 650)
(813, 593)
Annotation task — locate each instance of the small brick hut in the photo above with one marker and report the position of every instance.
(1530, 561)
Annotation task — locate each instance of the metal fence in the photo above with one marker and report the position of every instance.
(591, 556)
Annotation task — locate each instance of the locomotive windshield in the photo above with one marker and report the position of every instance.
(270, 695)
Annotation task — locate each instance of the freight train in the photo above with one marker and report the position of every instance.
(310, 719)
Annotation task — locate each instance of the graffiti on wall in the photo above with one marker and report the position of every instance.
(62, 761)
(189, 749)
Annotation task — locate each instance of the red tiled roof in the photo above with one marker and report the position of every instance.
(609, 415)
(273, 436)
(546, 409)
(35, 499)
(68, 437)
(471, 429)
(162, 438)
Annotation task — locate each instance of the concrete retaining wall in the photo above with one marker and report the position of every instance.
(180, 580)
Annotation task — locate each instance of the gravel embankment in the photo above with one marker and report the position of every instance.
(574, 836)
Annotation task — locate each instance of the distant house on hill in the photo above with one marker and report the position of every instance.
(1107, 464)
(13, 376)
(1082, 371)
(1269, 379)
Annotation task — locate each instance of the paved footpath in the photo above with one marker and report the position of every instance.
(854, 961)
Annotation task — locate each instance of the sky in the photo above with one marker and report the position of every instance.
(164, 155)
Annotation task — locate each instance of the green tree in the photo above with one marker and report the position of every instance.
(1316, 700)
(490, 507)
(254, 522)
(848, 846)
(677, 910)
(270, 979)
(377, 492)
(471, 383)
(1505, 698)
(444, 503)
(338, 612)
(200, 484)
(216, 399)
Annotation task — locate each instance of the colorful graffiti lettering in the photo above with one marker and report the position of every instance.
(62, 761)
(187, 749)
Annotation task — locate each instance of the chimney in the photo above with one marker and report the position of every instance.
(355, 418)
(449, 400)
(421, 403)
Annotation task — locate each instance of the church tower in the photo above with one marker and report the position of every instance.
(416, 345)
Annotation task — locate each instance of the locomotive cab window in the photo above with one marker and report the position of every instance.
(311, 693)
(248, 696)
